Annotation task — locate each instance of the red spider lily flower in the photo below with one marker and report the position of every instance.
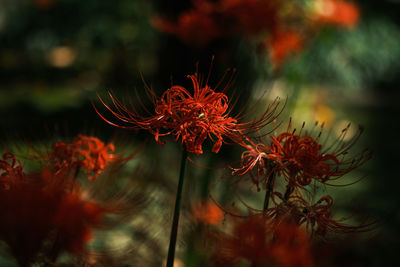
(254, 161)
(300, 158)
(191, 117)
(337, 12)
(283, 44)
(86, 152)
(317, 217)
(193, 27)
(208, 213)
(211, 20)
(41, 210)
(262, 243)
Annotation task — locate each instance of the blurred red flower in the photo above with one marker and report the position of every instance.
(45, 212)
(262, 243)
(250, 16)
(283, 44)
(211, 20)
(317, 217)
(208, 213)
(43, 4)
(86, 152)
(193, 27)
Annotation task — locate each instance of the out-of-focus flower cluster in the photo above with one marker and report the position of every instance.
(46, 213)
(280, 27)
(258, 240)
(86, 152)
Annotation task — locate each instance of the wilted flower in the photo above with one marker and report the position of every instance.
(211, 20)
(86, 152)
(317, 217)
(191, 117)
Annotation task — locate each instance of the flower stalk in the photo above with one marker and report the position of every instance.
(177, 210)
(268, 190)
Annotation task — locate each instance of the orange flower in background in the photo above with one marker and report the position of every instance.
(291, 246)
(191, 117)
(260, 242)
(208, 212)
(337, 12)
(86, 152)
(193, 27)
(250, 16)
(44, 4)
(284, 44)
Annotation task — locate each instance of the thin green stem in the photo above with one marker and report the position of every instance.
(177, 210)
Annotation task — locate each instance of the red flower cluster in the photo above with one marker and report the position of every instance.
(191, 117)
(86, 152)
(299, 158)
(263, 243)
(44, 211)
